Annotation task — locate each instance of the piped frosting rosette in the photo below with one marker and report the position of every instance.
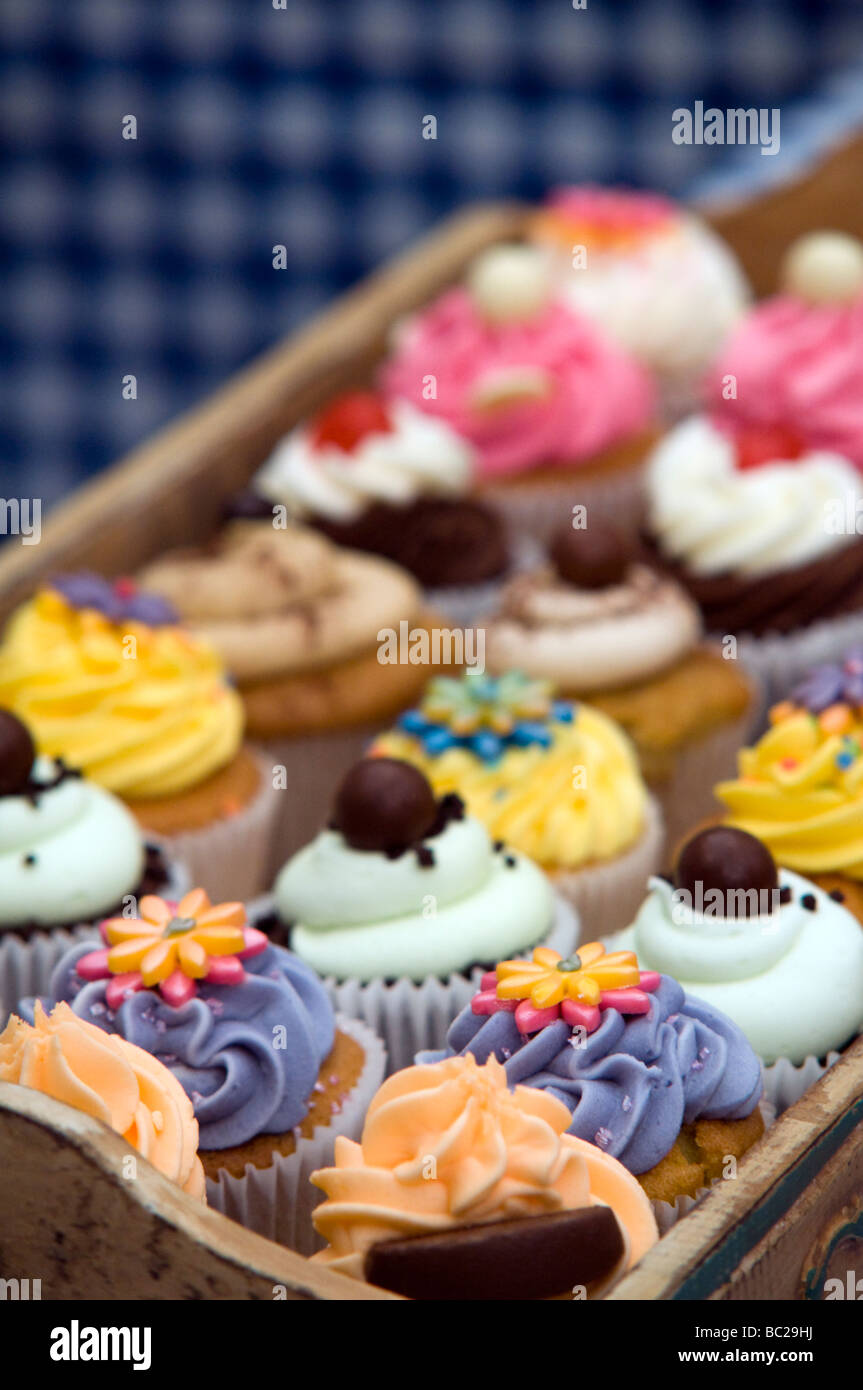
(631, 1056)
(243, 1025)
(557, 781)
(106, 1077)
(403, 898)
(449, 1146)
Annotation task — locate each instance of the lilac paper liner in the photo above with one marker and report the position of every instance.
(606, 896)
(277, 1202)
(231, 857)
(26, 965)
(413, 1017)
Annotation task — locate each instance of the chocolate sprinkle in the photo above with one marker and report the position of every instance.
(837, 895)
(785, 894)
(810, 902)
(510, 861)
(425, 857)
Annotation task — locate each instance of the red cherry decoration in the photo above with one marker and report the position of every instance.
(348, 419)
(762, 444)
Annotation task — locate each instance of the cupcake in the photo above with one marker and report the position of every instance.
(554, 410)
(662, 1082)
(111, 1080)
(800, 788)
(755, 530)
(386, 478)
(555, 781)
(768, 947)
(653, 276)
(402, 898)
(248, 1032)
(299, 622)
(599, 623)
(461, 1188)
(106, 679)
(795, 362)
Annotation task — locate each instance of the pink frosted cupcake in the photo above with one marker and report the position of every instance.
(796, 361)
(653, 276)
(556, 413)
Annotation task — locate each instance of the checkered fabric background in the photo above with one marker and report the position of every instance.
(301, 126)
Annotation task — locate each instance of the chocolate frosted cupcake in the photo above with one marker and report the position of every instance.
(657, 1080)
(557, 781)
(771, 949)
(461, 1188)
(403, 900)
(383, 477)
(600, 624)
(248, 1032)
(107, 679)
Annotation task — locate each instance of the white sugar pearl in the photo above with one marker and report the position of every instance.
(510, 283)
(824, 268)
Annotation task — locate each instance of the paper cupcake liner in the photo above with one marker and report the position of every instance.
(781, 661)
(607, 896)
(785, 1081)
(538, 509)
(277, 1202)
(466, 604)
(26, 966)
(669, 1213)
(314, 765)
(687, 796)
(231, 858)
(412, 1017)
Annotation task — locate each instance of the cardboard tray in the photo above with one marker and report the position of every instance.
(793, 1215)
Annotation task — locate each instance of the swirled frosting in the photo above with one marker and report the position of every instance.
(67, 853)
(629, 1085)
(798, 365)
(108, 1078)
(591, 639)
(363, 915)
(450, 1145)
(246, 1054)
(279, 602)
(657, 279)
(543, 390)
(791, 980)
(143, 710)
(562, 786)
(800, 790)
(715, 519)
(417, 455)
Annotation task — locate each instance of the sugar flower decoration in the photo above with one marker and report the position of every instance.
(547, 988)
(117, 601)
(485, 714)
(171, 946)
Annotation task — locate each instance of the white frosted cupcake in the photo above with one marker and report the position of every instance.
(404, 899)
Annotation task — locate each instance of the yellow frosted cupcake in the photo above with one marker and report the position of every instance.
(557, 781)
(800, 789)
(107, 680)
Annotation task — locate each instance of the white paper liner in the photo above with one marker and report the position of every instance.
(687, 796)
(782, 661)
(277, 1202)
(668, 1214)
(412, 1017)
(607, 896)
(785, 1081)
(231, 857)
(314, 765)
(541, 508)
(26, 965)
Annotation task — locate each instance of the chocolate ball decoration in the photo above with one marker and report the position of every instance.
(17, 754)
(593, 558)
(732, 862)
(384, 804)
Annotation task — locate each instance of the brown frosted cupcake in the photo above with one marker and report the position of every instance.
(326, 646)
(106, 678)
(554, 410)
(602, 626)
